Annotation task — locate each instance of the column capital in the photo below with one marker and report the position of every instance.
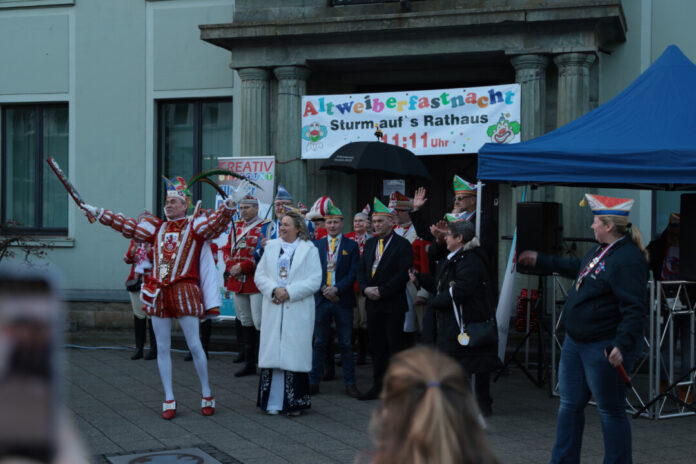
(254, 74)
(291, 73)
(527, 62)
(574, 59)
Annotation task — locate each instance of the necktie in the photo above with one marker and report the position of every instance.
(329, 272)
(381, 250)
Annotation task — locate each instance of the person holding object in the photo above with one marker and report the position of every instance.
(606, 306)
(339, 258)
(175, 288)
(240, 266)
(462, 279)
(288, 276)
(382, 277)
(427, 415)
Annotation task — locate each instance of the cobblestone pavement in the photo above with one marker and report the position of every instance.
(115, 404)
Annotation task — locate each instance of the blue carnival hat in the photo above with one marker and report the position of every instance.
(282, 194)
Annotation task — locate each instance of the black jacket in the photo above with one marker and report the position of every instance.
(468, 270)
(612, 301)
(391, 275)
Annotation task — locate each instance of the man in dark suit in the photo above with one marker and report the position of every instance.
(339, 258)
(382, 277)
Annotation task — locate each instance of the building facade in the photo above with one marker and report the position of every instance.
(122, 92)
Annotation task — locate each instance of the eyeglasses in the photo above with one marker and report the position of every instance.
(460, 198)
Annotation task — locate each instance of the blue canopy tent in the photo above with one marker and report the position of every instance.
(642, 138)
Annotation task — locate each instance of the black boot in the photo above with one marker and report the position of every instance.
(249, 337)
(240, 350)
(362, 347)
(206, 330)
(139, 329)
(153, 342)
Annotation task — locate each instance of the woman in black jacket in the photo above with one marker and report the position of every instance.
(465, 270)
(604, 317)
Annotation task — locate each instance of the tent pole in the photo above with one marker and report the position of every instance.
(479, 189)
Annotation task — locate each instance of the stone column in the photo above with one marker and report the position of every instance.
(573, 102)
(573, 86)
(530, 73)
(255, 136)
(292, 85)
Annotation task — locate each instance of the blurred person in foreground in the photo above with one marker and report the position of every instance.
(34, 424)
(288, 276)
(427, 414)
(604, 316)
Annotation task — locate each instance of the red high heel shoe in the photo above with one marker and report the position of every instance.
(207, 406)
(169, 410)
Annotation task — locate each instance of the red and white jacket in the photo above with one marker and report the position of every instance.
(176, 246)
(242, 252)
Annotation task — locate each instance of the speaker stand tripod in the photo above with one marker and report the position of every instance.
(669, 393)
(538, 329)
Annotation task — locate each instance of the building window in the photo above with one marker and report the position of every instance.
(192, 135)
(34, 200)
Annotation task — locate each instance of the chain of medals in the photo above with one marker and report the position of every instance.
(331, 254)
(166, 263)
(591, 264)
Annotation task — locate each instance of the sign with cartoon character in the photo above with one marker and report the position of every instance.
(427, 122)
(504, 131)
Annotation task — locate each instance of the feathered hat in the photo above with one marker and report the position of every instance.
(319, 208)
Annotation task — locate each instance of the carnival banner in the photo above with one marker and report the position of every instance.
(259, 169)
(427, 122)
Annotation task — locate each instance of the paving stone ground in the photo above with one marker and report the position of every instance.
(115, 404)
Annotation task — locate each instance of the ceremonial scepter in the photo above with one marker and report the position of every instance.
(70, 188)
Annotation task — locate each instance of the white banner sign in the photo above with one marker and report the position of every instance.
(427, 122)
(259, 169)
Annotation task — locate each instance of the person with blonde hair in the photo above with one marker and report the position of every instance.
(288, 276)
(604, 317)
(428, 414)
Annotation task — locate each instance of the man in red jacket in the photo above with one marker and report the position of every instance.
(240, 266)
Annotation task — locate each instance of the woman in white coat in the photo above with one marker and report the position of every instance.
(288, 276)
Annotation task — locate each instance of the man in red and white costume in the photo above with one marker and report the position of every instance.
(402, 205)
(240, 266)
(174, 287)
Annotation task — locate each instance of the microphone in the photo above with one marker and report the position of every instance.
(620, 369)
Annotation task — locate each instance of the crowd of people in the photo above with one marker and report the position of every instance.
(299, 283)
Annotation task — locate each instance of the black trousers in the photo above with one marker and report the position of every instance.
(385, 333)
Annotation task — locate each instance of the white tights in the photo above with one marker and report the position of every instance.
(163, 334)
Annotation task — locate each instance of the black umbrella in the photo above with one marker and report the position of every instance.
(377, 157)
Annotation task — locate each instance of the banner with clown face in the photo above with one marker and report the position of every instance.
(427, 122)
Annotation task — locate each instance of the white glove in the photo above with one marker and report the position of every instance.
(93, 210)
(240, 192)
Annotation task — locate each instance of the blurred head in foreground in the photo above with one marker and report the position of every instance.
(428, 414)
